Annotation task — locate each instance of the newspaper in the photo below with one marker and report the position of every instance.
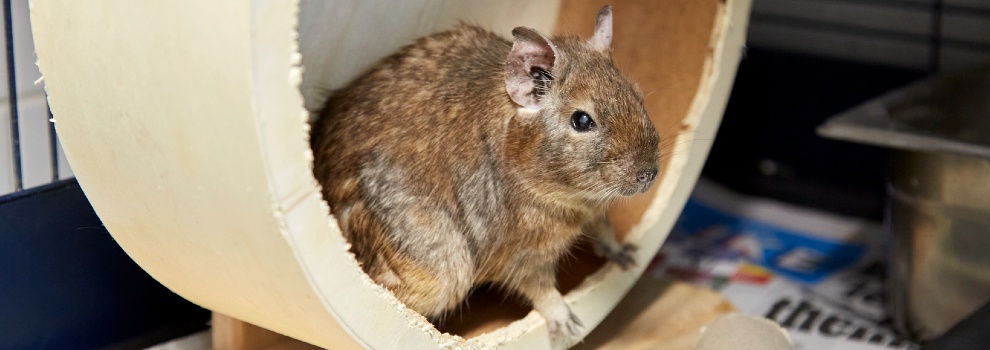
(818, 275)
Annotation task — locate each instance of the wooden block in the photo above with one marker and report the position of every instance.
(233, 334)
(658, 314)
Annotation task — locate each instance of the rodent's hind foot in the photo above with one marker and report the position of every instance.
(565, 328)
(570, 326)
(621, 255)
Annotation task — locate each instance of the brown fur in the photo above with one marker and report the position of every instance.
(441, 182)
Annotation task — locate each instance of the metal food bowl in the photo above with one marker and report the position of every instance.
(938, 195)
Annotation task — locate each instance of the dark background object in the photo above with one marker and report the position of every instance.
(767, 146)
(65, 283)
(969, 334)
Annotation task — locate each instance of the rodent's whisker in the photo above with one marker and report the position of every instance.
(665, 134)
(676, 142)
(665, 157)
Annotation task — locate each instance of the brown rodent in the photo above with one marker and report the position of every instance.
(465, 158)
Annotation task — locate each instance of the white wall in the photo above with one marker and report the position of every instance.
(887, 32)
(32, 111)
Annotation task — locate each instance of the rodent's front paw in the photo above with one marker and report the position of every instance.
(621, 255)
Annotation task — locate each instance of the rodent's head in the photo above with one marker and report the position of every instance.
(581, 127)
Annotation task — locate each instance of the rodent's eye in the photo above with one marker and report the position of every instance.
(581, 121)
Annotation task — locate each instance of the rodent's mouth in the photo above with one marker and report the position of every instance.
(643, 187)
(635, 188)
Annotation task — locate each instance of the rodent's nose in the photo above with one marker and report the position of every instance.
(646, 175)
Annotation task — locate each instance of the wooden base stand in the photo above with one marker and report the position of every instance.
(656, 314)
(232, 334)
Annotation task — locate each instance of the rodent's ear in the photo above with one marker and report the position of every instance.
(602, 40)
(529, 68)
